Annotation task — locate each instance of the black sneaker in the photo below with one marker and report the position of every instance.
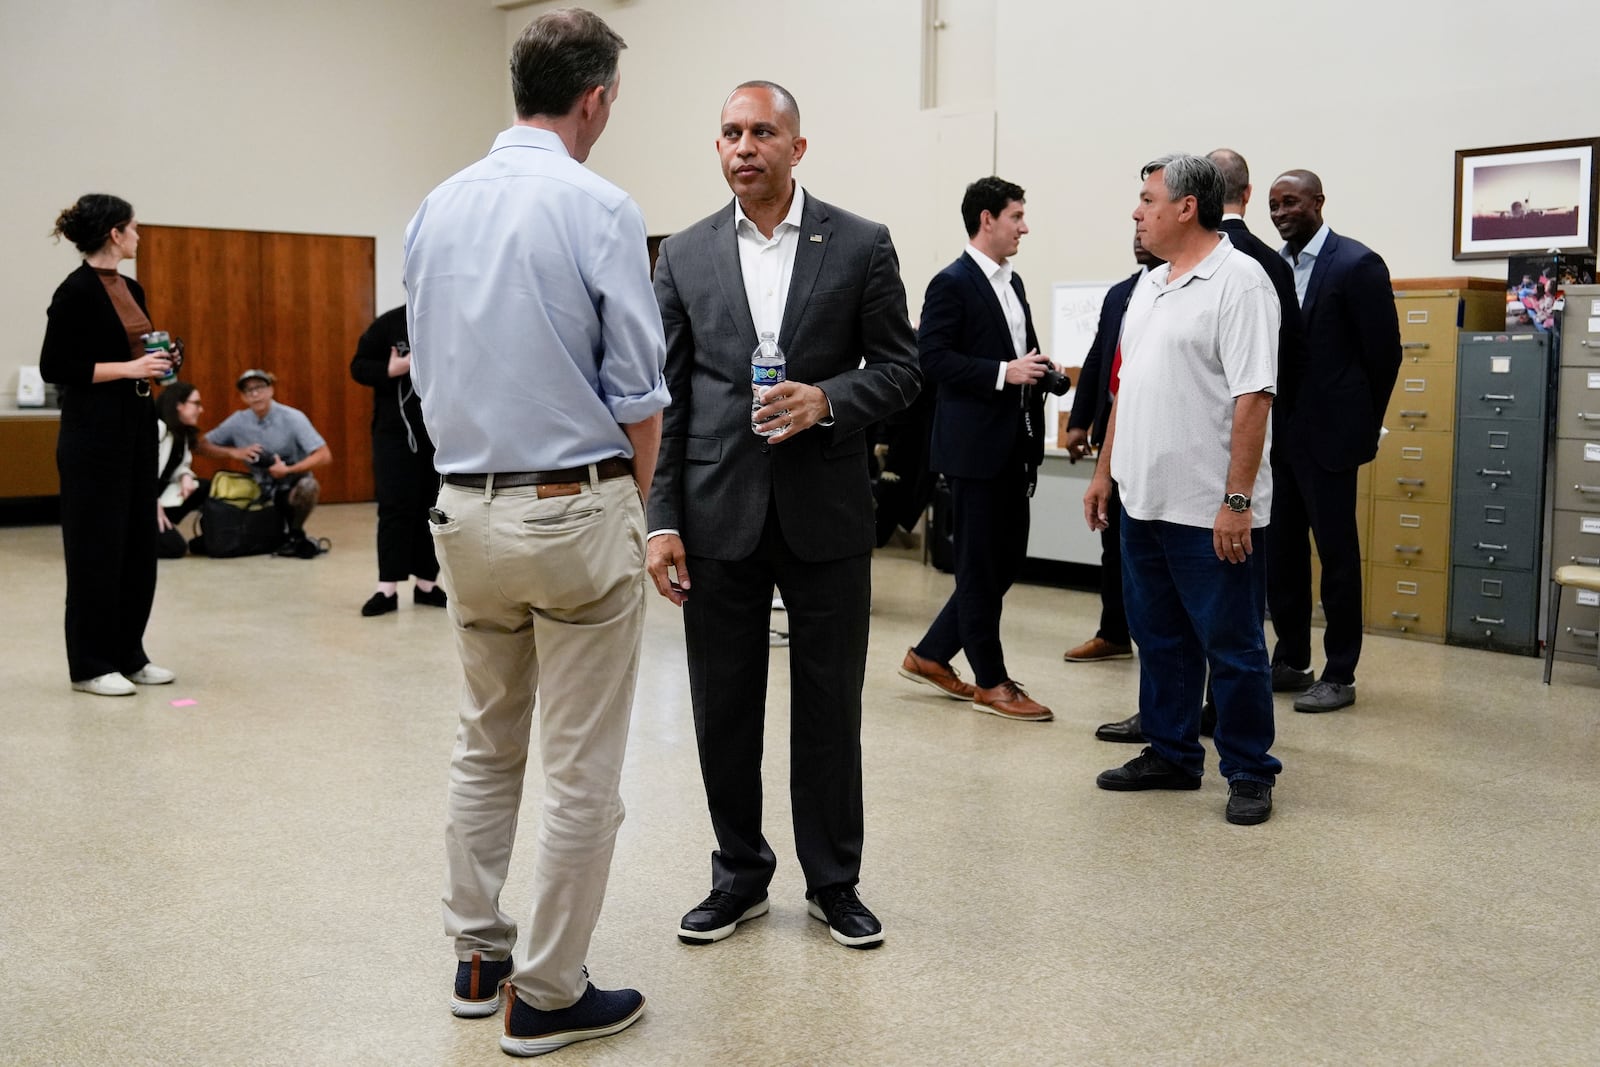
(1285, 679)
(849, 921)
(433, 598)
(717, 916)
(380, 604)
(477, 992)
(531, 1031)
(1249, 802)
(1147, 771)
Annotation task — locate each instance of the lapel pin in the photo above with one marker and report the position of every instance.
(817, 238)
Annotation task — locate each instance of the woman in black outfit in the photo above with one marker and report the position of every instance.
(178, 491)
(402, 466)
(93, 350)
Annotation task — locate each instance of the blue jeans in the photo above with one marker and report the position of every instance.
(1187, 609)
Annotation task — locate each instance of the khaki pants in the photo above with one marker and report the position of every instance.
(547, 597)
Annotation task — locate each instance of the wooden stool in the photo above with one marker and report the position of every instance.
(1580, 578)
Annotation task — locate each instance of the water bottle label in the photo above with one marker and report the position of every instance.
(766, 376)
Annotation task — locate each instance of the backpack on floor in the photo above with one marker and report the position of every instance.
(236, 521)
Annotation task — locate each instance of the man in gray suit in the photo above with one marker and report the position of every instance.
(742, 513)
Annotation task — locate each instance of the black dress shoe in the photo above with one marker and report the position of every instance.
(717, 916)
(380, 604)
(849, 921)
(1147, 771)
(1285, 679)
(1127, 731)
(1208, 719)
(434, 597)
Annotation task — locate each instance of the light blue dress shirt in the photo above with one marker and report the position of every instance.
(535, 334)
(1303, 263)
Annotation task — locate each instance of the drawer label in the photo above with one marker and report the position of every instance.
(1499, 438)
(1492, 587)
(1406, 588)
(1412, 521)
(1594, 380)
(1494, 514)
(1591, 452)
(1413, 452)
(1500, 365)
(1588, 598)
(1591, 526)
(1594, 324)
(1417, 385)
(1421, 317)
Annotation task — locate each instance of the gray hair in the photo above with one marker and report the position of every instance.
(1196, 176)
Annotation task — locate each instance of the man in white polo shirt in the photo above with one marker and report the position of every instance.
(1188, 431)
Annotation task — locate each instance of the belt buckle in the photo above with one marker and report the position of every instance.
(558, 489)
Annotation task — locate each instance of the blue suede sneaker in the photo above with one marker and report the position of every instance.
(531, 1031)
(477, 992)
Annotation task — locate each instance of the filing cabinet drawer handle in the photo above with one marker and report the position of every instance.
(1587, 416)
(1488, 621)
(1415, 344)
(1419, 481)
(1495, 474)
(1587, 488)
(1410, 615)
(1507, 397)
(1588, 344)
(1576, 632)
(1413, 414)
(1587, 561)
(1487, 547)
(1415, 549)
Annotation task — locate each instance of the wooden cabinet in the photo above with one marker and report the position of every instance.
(28, 445)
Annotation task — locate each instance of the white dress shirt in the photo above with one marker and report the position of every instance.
(999, 275)
(767, 263)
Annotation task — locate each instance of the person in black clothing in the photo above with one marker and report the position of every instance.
(94, 351)
(402, 466)
(178, 491)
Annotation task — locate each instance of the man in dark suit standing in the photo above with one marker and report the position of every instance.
(741, 513)
(1086, 425)
(977, 343)
(1352, 357)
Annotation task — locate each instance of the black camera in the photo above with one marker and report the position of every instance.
(1054, 382)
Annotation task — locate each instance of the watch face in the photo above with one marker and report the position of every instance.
(1237, 501)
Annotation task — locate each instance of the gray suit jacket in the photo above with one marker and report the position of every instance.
(715, 478)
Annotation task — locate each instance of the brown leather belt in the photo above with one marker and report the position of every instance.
(615, 467)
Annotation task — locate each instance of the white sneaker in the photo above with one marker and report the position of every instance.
(106, 685)
(777, 602)
(777, 639)
(150, 674)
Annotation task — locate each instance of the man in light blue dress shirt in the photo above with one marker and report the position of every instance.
(537, 349)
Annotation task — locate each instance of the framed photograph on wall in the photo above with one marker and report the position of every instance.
(1525, 198)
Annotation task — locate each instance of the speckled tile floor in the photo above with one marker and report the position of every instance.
(254, 878)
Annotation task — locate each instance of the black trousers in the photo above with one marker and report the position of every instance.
(725, 628)
(1113, 610)
(991, 541)
(108, 540)
(1308, 499)
(406, 485)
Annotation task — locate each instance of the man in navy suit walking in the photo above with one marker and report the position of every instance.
(976, 342)
(1351, 359)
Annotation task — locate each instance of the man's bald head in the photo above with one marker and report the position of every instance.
(1295, 201)
(1235, 179)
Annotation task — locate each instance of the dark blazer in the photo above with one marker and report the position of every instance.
(370, 367)
(1291, 341)
(1352, 355)
(962, 340)
(83, 329)
(1091, 402)
(715, 477)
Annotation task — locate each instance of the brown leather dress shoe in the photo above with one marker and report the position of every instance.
(940, 676)
(1009, 701)
(1097, 648)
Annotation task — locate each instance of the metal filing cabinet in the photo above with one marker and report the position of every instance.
(1408, 533)
(1575, 518)
(1498, 506)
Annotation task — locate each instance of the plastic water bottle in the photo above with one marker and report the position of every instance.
(768, 367)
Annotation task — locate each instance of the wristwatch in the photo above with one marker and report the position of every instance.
(1236, 502)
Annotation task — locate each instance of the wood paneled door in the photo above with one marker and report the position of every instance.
(291, 303)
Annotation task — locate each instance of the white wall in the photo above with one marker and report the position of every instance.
(1374, 95)
(293, 115)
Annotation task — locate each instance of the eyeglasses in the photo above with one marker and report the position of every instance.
(255, 389)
